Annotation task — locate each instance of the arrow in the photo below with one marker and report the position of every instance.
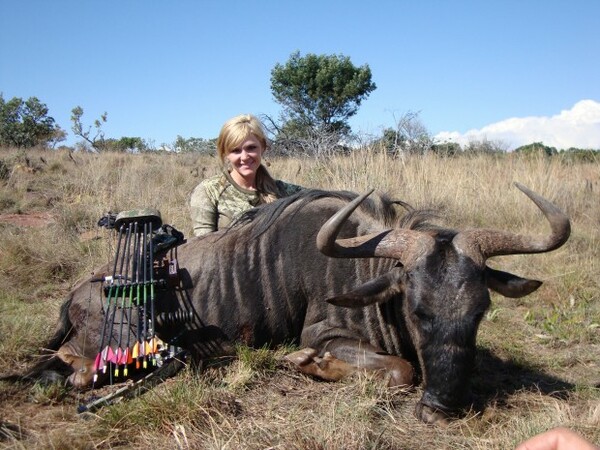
(118, 358)
(110, 354)
(127, 357)
(100, 361)
(145, 315)
(152, 344)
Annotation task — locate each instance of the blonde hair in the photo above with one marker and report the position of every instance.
(232, 134)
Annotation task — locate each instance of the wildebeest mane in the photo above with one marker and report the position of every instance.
(380, 207)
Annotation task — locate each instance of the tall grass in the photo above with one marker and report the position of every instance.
(531, 348)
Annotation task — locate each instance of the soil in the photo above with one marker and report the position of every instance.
(39, 219)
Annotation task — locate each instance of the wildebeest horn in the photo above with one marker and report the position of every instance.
(483, 244)
(403, 245)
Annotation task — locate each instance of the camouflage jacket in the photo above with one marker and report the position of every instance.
(217, 201)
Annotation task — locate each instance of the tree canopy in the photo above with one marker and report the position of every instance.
(537, 148)
(320, 92)
(26, 123)
(95, 140)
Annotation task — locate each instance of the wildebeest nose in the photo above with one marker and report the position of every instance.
(444, 402)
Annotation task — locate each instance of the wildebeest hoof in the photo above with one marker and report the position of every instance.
(302, 357)
(327, 367)
(333, 369)
(325, 360)
(431, 416)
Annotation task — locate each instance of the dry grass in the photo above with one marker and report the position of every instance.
(539, 362)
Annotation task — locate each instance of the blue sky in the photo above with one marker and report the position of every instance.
(167, 68)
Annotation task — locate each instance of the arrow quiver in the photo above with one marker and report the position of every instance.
(142, 265)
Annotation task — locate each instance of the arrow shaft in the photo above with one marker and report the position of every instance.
(111, 288)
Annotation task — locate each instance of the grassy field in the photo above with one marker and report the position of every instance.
(539, 356)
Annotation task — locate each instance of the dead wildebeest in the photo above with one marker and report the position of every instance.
(377, 291)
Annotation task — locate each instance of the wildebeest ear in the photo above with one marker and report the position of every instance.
(509, 285)
(378, 290)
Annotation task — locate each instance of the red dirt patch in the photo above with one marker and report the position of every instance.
(27, 220)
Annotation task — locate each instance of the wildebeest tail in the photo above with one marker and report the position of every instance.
(62, 331)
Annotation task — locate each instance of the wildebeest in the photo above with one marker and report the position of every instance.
(351, 280)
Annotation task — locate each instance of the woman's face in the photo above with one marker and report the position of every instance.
(245, 159)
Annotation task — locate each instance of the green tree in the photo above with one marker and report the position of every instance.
(320, 92)
(536, 148)
(193, 144)
(26, 123)
(574, 154)
(446, 149)
(126, 144)
(133, 144)
(96, 139)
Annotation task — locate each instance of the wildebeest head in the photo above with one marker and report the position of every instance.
(443, 278)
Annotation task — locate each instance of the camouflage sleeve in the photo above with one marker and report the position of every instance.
(203, 209)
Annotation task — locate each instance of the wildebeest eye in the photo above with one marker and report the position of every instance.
(424, 316)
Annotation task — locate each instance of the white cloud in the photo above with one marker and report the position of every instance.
(576, 127)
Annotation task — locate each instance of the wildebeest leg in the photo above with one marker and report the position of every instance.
(366, 356)
(344, 356)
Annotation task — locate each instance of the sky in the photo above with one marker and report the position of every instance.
(511, 71)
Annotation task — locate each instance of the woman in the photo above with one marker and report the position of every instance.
(244, 182)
